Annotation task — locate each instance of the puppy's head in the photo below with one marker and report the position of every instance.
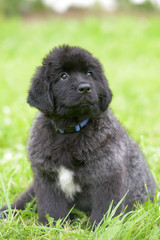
(70, 83)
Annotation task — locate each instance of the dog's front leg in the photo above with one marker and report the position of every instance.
(102, 197)
(49, 200)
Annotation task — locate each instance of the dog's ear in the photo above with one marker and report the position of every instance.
(39, 93)
(105, 98)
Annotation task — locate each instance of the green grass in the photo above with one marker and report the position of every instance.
(129, 49)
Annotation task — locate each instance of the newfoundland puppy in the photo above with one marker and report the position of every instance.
(80, 154)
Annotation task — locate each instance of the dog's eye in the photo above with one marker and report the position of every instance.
(89, 73)
(64, 76)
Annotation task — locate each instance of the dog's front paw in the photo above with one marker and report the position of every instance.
(1, 215)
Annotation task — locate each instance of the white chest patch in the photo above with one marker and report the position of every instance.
(66, 182)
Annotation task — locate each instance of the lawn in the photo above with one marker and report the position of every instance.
(129, 49)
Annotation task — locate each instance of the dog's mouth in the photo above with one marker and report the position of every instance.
(82, 105)
(77, 110)
(82, 109)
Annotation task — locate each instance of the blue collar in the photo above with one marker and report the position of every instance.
(74, 129)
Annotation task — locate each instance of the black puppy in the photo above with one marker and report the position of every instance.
(79, 153)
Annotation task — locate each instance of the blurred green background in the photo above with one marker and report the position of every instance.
(126, 41)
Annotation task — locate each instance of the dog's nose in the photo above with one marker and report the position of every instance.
(84, 88)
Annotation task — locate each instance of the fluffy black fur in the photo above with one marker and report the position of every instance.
(103, 160)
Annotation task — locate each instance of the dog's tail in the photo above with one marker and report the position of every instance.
(25, 197)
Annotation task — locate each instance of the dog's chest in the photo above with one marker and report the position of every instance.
(66, 182)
